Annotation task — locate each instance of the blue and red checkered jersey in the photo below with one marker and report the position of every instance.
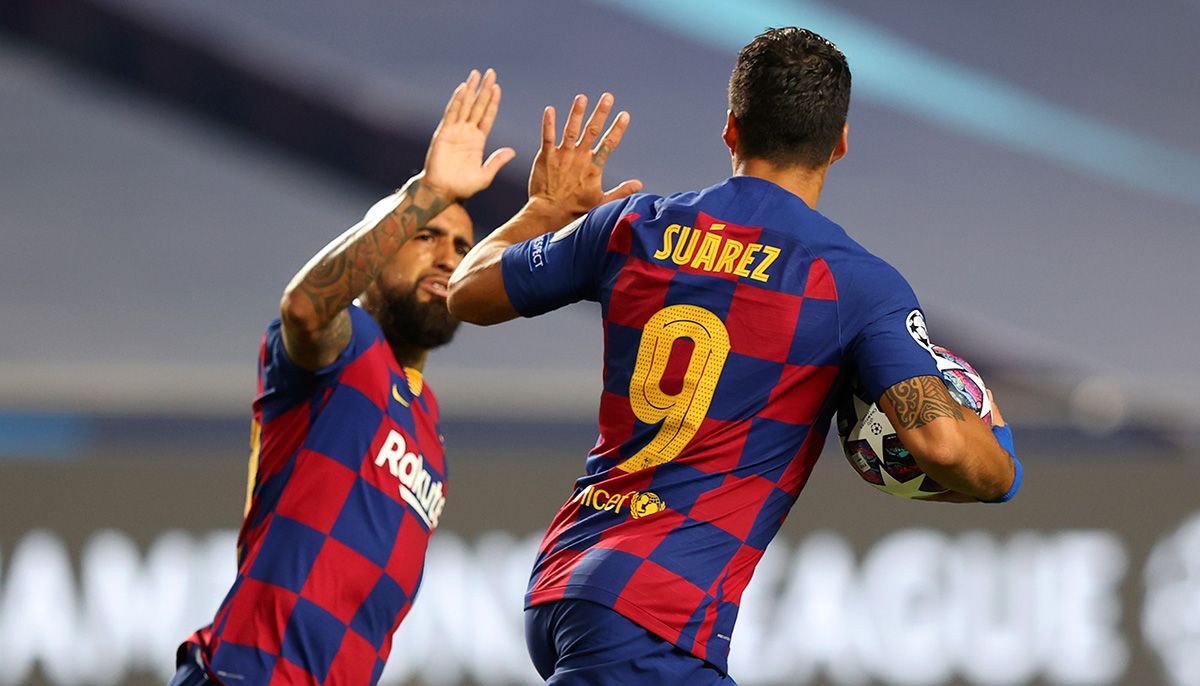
(732, 317)
(348, 482)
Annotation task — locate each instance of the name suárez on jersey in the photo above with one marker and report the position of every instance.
(418, 488)
(710, 251)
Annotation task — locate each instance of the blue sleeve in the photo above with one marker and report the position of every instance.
(883, 328)
(560, 267)
(284, 382)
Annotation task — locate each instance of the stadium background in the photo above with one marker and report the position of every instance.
(1033, 168)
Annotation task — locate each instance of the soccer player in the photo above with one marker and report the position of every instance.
(732, 317)
(347, 476)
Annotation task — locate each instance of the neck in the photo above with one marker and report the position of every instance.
(804, 182)
(407, 354)
(410, 356)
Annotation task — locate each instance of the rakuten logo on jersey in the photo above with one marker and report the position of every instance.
(418, 487)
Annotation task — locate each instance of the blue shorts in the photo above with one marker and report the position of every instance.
(190, 667)
(581, 643)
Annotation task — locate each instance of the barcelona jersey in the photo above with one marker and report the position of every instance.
(347, 484)
(732, 317)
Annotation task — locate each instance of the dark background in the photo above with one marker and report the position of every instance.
(1033, 169)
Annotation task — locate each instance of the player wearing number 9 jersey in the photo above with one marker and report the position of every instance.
(732, 317)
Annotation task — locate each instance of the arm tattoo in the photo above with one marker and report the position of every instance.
(921, 400)
(352, 262)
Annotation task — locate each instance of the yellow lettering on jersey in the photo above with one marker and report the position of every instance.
(668, 238)
(600, 500)
(729, 255)
(599, 495)
(686, 246)
(710, 251)
(771, 253)
(707, 254)
(743, 267)
(593, 496)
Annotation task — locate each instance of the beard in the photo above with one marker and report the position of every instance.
(409, 323)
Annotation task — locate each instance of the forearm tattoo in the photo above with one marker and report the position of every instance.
(921, 400)
(354, 260)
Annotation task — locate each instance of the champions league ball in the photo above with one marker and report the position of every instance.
(872, 447)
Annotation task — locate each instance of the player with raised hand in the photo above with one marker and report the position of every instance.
(565, 182)
(733, 317)
(347, 475)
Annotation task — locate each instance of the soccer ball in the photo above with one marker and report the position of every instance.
(870, 443)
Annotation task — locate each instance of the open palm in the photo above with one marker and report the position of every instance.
(569, 175)
(454, 164)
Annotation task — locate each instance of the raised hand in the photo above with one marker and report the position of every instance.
(569, 175)
(454, 164)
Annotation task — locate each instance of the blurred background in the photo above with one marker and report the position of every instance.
(1033, 168)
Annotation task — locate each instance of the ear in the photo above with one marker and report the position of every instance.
(730, 133)
(839, 150)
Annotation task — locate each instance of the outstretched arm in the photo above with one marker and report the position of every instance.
(316, 323)
(564, 184)
(954, 447)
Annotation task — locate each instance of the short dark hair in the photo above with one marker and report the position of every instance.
(790, 91)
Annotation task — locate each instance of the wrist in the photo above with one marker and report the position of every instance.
(1004, 437)
(422, 191)
(547, 213)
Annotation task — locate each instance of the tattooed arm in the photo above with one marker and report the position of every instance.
(953, 447)
(316, 323)
(565, 183)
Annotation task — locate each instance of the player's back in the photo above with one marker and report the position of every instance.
(724, 341)
(723, 310)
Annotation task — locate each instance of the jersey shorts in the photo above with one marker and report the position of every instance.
(732, 317)
(581, 643)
